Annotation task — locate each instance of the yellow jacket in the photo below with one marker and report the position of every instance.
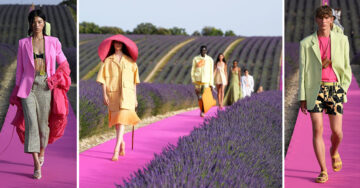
(311, 67)
(120, 79)
(202, 70)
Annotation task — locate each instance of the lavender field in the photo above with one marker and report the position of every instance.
(151, 49)
(177, 70)
(71, 56)
(241, 147)
(153, 99)
(7, 54)
(260, 55)
(14, 26)
(291, 58)
(299, 20)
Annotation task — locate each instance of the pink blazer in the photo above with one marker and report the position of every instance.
(25, 71)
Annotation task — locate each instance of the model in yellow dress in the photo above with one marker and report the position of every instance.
(119, 76)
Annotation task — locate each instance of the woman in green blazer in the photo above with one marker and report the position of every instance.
(324, 79)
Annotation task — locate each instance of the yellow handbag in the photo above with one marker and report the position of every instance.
(208, 99)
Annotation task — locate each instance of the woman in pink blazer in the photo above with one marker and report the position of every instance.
(36, 59)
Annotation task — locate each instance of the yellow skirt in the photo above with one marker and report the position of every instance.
(123, 117)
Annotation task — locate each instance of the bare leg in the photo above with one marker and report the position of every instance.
(119, 138)
(222, 95)
(41, 156)
(318, 141)
(197, 91)
(218, 93)
(36, 160)
(122, 142)
(337, 134)
(42, 152)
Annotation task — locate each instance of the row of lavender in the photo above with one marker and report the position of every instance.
(300, 22)
(177, 70)
(7, 55)
(153, 99)
(14, 26)
(241, 147)
(151, 50)
(71, 56)
(291, 59)
(261, 56)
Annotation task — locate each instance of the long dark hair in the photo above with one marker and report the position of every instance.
(218, 58)
(31, 18)
(123, 49)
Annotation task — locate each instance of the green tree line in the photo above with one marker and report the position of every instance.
(151, 29)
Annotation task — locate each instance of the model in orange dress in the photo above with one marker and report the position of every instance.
(119, 76)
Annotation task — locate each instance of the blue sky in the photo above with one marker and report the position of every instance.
(244, 17)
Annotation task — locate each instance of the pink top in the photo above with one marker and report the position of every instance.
(327, 74)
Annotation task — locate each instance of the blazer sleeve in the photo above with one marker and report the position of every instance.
(60, 57)
(212, 73)
(252, 84)
(347, 67)
(302, 96)
(19, 67)
(193, 71)
(136, 75)
(101, 77)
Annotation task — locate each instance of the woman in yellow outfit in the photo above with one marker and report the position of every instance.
(119, 76)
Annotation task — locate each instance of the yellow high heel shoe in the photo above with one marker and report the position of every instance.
(322, 178)
(337, 166)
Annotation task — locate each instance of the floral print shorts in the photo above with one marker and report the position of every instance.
(330, 98)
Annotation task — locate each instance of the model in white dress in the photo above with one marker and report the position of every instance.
(247, 84)
(220, 78)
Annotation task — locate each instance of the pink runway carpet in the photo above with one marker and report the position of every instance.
(97, 169)
(301, 166)
(59, 169)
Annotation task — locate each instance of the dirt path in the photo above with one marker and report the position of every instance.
(165, 59)
(87, 143)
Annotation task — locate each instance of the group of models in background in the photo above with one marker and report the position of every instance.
(204, 74)
(38, 121)
(325, 76)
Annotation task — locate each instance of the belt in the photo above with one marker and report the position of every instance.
(200, 83)
(329, 83)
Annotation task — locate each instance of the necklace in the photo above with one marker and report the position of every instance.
(325, 61)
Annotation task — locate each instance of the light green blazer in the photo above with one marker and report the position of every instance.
(311, 67)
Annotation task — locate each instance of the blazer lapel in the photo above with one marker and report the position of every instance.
(29, 50)
(332, 46)
(316, 47)
(47, 53)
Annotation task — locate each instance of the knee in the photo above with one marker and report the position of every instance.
(318, 131)
(338, 134)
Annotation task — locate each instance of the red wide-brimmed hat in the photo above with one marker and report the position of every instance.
(105, 45)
